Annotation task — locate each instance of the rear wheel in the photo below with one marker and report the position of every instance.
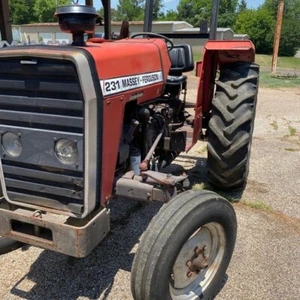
(8, 245)
(186, 249)
(231, 125)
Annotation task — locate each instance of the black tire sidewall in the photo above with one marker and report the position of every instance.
(191, 222)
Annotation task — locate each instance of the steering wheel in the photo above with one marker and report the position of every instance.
(169, 43)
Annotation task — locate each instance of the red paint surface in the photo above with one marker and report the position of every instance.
(216, 53)
(117, 59)
(130, 57)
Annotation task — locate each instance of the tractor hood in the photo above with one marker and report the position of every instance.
(139, 65)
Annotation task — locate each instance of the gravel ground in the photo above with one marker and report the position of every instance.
(266, 261)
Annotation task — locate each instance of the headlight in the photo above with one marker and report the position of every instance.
(66, 151)
(12, 144)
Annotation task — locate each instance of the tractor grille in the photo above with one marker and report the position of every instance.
(40, 93)
(42, 100)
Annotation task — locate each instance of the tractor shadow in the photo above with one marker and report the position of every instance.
(56, 276)
(195, 167)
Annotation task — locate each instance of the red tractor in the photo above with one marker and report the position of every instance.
(83, 123)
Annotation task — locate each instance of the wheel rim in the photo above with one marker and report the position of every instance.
(198, 262)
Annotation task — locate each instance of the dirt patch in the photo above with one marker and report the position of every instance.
(259, 187)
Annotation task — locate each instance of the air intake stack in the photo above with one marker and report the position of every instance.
(78, 20)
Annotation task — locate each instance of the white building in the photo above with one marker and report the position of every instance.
(51, 33)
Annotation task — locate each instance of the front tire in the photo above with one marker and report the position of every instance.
(186, 249)
(231, 126)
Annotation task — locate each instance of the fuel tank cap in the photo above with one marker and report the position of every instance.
(76, 18)
(76, 9)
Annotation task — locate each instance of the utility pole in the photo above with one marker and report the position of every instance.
(277, 36)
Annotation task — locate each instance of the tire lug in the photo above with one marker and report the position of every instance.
(189, 274)
(188, 263)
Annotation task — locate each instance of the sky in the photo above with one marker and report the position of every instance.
(172, 4)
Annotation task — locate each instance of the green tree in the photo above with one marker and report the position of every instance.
(227, 13)
(21, 11)
(157, 7)
(259, 25)
(228, 6)
(291, 8)
(30, 11)
(290, 37)
(114, 14)
(130, 10)
(45, 9)
(195, 11)
(170, 15)
(242, 6)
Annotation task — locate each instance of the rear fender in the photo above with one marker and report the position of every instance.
(215, 54)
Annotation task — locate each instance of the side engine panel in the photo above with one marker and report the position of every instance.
(129, 70)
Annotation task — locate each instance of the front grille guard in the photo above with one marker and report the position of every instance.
(80, 58)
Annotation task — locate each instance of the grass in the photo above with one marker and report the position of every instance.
(274, 125)
(292, 130)
(197, 56)
(260, 205)
(288, 65)
(257, 205)
(269, 81)
(291, 149)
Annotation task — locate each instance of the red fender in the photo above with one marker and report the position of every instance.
(215, 54)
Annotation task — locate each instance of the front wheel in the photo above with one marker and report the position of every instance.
(186, 249)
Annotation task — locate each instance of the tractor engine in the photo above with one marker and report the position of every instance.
(143, 124)
(158, 121)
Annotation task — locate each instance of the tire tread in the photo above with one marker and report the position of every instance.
(231, 125)
(155, 241)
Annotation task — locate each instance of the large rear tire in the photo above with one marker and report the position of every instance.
(8, 245)
(186, 249)
(231, 125)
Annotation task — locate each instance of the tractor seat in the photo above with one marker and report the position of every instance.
(182, 60)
